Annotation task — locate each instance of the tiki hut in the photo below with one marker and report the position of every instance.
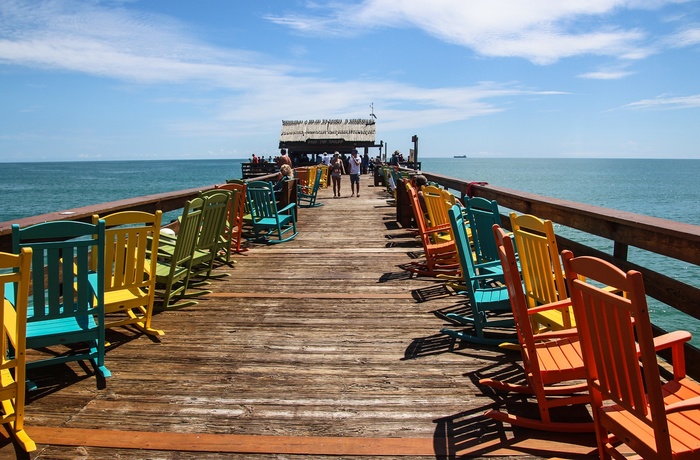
(306, 139)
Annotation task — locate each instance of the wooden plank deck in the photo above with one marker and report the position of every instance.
(320, 347)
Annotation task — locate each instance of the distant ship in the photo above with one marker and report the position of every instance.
(460, 156)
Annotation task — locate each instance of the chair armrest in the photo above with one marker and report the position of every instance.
(674, 341)
(438, 228)
(164, 238)
(561, 334)
(287, 208)
(550, 306)
(671, 339)
(487, 276)
(688, 404)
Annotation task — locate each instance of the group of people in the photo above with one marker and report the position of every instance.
(338, 166)
(280, 160)
(396, 158)
(260, 159)
(336, 169)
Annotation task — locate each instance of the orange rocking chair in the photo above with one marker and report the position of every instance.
(441, 256)
(552, 361)
(632, 409)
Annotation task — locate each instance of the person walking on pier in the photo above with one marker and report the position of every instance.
(336, 170)
(354, 171)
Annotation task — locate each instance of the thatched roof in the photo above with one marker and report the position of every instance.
(356, 130)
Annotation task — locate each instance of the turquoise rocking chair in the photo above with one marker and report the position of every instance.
(488, 302)
(269, 223)
(66, 307)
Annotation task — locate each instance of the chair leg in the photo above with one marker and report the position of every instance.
(98, 363)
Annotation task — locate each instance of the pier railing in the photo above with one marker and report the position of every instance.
(660, 236)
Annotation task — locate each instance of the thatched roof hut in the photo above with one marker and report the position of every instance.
(317, 136)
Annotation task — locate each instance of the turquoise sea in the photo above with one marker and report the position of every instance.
(660, 188)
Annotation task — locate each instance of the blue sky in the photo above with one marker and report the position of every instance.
(159, 79)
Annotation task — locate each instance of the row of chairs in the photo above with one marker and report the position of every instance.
(585, 337)
(464, 232)
(67, 280)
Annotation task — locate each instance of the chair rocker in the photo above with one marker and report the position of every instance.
(66, 306)
(14, 292)
(484, 297)
(306, 194)
(129, 272)
(552, 361)
(269, 223)
(174, 266)
(632, 408)
(441, 257)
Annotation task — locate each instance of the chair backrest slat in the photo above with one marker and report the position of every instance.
(59, 266)
(539, 259)
(482, 214)
(261, 199)
(464, 250)
(216, 204)
(435, 204)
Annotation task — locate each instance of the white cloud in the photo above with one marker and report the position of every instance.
(606, 75)
(665, 102)
(686, 37)
(542, 31)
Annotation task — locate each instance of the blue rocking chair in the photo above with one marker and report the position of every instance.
(487, 302)
(269, 223)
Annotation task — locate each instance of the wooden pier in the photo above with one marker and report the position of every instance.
(316, 348)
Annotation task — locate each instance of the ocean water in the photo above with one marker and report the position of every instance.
(659, 188)
(38, 188)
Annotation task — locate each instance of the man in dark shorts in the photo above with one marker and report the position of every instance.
(354, 172)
